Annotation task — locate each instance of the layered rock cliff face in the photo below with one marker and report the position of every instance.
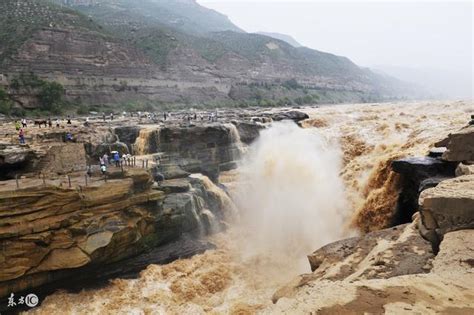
(206, 149)
(51, 230)
(49, 233)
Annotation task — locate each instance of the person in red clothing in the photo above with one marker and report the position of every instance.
(21, 136)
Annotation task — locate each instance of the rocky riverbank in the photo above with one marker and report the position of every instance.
(150, 221)
(425, 266)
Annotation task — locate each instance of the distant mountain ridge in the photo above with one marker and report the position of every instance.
(170, 51)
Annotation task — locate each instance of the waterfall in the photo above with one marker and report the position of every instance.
(235, 137)
(147, 141)
(291, 197)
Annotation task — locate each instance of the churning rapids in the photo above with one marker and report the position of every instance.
(295, 190)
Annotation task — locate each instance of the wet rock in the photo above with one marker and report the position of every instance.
(98, 275)
(294, 115)
(460, 145)
(436, 152)
(430, 182)
(212, 145)
(104, 148)
(127, 135)
(175, 185)
(448, 207)
(418, 174)
(168, 171)
(423, 167)
(248, 131)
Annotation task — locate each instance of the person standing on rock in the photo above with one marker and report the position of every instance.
(50, 123)
(69, 137)
(117, 159)
(21, 136)
(17, 125)
(105, 157)
(23, 123)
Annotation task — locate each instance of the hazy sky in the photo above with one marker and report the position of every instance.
(435, 35)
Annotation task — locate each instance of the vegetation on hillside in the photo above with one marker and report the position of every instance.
(50, 95)
(5, 102)
(19, 20)
(159, 27)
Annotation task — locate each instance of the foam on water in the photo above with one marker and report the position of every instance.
(293, 199)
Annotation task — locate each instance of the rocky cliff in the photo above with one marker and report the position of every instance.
(50, 233)
(55, 227)
(116, 51)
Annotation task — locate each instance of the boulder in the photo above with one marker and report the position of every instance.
(447, 207)
(460, 145)
(294, 115)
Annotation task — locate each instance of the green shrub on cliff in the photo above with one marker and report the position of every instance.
(49, 94)
(5, 102)
(51, 97)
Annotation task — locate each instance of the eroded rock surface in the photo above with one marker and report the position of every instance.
(445, 285)
(49, 233)
(447, 207)
(377, 255)
(15, 157)
(460, 145)
(418, 174)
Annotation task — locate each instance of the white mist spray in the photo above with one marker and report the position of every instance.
(291, 197)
